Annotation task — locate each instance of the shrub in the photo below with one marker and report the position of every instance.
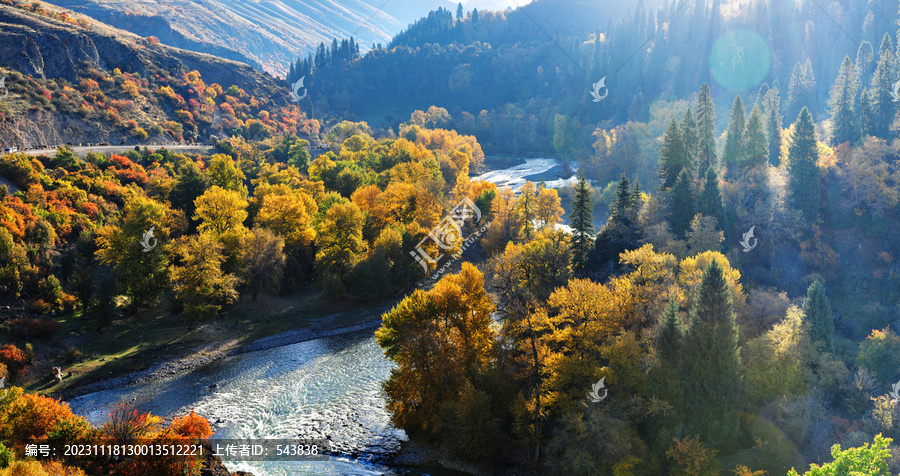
(26, 328)
(880, 354)
(191, 426)
(140, 133)
(126, 423)
(73, 354)
(6, 456)
(32, 416)
(13, 358)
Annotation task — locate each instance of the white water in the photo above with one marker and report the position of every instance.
(515, 177)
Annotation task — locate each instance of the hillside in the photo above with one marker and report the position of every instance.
(74, 80)
(268, 34)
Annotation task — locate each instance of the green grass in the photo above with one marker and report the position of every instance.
(135, 342)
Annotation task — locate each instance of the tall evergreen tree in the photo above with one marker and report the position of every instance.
(733, 151)
(817, 317)
(803, 156)
(620, 232)
(808, 79)
(712, 362)
(636, 195)
(673, 156)
(795, 92)
(690, 137)
(862, 108)
(682, 204)
(843, 93)
(883, 107)
(620, 208)
(711, 203)
(774, 124)
(865, 63)
(665, 379)
(756, 144)
(459, 11)
(706, 129)
(582, 220)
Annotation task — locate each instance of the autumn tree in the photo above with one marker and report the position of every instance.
(547, 208)
(262, 260)
(803, 155)
(141, 275)
(339, 241)
(190, 183)
(220, 210)
(712, 362)
(289, 213)
(440, 341)
(224, 172)
(200, 285)
(525, 209)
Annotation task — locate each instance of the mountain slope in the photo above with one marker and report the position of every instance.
(76, 80)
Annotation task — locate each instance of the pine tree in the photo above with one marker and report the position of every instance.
(808, 80)
(843, 93)
(795, 92)
(682, 205)
(883, 107)
(865, 63)
(711, 203)
(802, 166)
(733, 151)
(756, 144)
(690, 137)
(459, 11)
(862, 109)
(620, 208)
(774, 124)
(665, 379)
(636, 195)
(582, 219)
(673, 155)
(712, 362)
(706, 129)
(817, 316)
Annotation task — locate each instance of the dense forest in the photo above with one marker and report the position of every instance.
(736, 307)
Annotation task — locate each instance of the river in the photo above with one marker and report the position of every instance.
(329, 387)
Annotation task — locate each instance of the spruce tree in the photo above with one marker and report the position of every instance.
(774, 125)
(620, 208)
(690, 137)
(802, 166)
(842, 95)
(817, 317)
(711, 366)
(459, 11)
(862, 109)
(682, 205)
(808, 80)
(664, 380)
(582, 219)
(756, 144)
(883, 107)
(733, 151)
(636, 195)
(865, 63)
(706, 130)
(673, 155)
(795, 92)
(711, 203)
(620, 232)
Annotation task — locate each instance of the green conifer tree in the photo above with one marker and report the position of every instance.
(843, 93)
(712, 383)
(774, 125)
(817, 317)
(673, 155)
(756, 144)
(682, 204)
(582, 220)
(862, 108)
(690, 137)
(803, 156)
(706, 130)
(710, 203)
(733, 151)
(883, 106)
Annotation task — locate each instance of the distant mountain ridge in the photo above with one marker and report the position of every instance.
(267, 35)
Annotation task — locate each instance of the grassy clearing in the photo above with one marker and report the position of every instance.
(134, 343)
